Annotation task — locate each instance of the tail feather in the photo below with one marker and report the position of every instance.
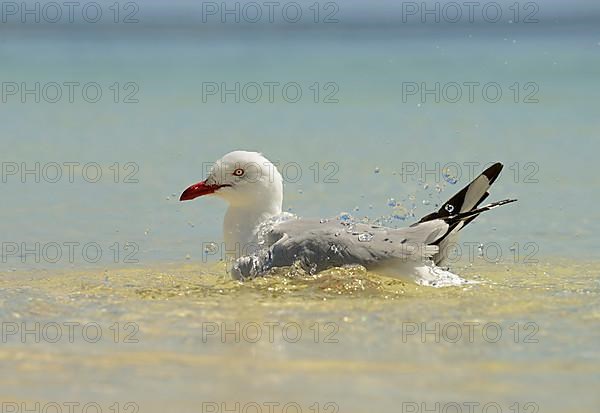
(463, 208)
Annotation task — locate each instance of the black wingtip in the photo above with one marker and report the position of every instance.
(493, 172)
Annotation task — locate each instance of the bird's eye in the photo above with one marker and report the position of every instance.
(238, 172)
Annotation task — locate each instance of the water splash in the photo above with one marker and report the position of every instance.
(449, 177)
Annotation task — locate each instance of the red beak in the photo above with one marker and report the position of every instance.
(199, 189)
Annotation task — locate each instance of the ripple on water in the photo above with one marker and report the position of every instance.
(200, 282)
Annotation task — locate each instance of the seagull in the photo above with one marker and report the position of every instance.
(253, 188)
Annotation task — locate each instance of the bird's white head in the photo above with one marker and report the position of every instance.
(242, 179)
(251, 185)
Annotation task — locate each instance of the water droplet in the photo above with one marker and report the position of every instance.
(191, 224)
(449, 207)
(188, 256)
(425, 186)
(448, 177)
(345, 217)
(356, 209)
(365, 237)
(391, 202)
(323, 221)
(377, 170)
(426, 202)
(300, 191)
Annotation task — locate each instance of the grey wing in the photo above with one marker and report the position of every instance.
(318, 245)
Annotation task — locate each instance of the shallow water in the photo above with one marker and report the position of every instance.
(377, 346)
